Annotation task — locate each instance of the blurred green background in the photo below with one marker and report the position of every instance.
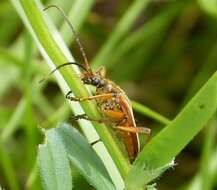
(160, 60)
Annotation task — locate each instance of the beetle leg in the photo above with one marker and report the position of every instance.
(134, 129)
(122, 121)
(114, 114)
(79, 99)
(84, 116)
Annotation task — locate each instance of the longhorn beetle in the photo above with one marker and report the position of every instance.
(111, 99)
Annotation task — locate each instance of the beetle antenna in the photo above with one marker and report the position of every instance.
(60, 66)
(87, 65)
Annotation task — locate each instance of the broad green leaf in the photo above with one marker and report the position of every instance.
(54, 165)
(84, 158)
(173, 138)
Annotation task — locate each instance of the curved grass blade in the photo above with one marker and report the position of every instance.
(55, 52)
(196, 183)
(209, 6)
(120, 31)
(150, 113)
(7, 169)
(54, 165)
(205, 177)
(208, 147)
(81, 8)
(173, 138)
(155, 26)
(84, 158)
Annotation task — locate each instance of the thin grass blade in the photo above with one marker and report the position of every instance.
(172, 139)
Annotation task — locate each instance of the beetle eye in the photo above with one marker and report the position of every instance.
(95, 81)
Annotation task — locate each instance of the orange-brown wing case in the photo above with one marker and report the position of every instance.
(130, 139)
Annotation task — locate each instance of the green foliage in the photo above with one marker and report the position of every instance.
(65, 143)
(186, 125)
(209, 6)
(162, 53)
(89, 165)
(53, 162)
(150, 113)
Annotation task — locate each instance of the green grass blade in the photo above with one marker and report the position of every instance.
(206, 175)
(84, 158)
(9, 57)
(60, 115)
(80, 10)
(150, 113)
(205, 72)
(33, 180)
(12, 124)
(145, 34)
(56, 53)
(9, 74)
(53, 163)
(120, 31)
(7, 168)
(196, 183)
(172, 139)
(30, 125)
(209, 6)
(206, 155)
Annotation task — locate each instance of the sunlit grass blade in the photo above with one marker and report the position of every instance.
(9, 74)
(30, 125)
(33, 180)
(150, 113)
(8, 56)
(7, 168)
(80, 10)
(196, 183)
(56, 53)
(209, 6)
(172, 139)
(205, 177)
(60, 115)
(208, 146)
(53, 162)
(204, 73)
(145, 33)
(84, 158)
(120, 31)
(13, 123)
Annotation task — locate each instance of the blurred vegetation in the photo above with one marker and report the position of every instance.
(160, 56)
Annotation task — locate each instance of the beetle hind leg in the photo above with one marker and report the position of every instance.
(85, 117)
(132, 129)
